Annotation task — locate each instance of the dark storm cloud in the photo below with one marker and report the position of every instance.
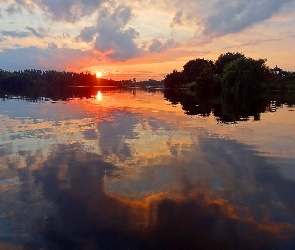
(234, 16)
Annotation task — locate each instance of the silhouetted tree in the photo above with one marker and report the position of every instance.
(244, 74)
(205, 79)
(52, 78)
(193, 69)
(174, 79)
(224, 59)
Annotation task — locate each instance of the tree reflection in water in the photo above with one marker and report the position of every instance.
(228, 107)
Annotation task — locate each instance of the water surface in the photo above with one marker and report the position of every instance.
(146, 170)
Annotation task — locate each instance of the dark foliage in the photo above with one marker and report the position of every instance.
(52, 79)
(231, 71)
(194, 68)
(228, 107)
(174, 79)
(224, 59)
(33, 77)
(244, 74)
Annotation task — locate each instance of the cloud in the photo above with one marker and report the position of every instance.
(113, 38)
(87, 34)
(254, 42)
(111, 35)
(118, 44)
(13, 9)
(51, 57)
(177, 19)
(65, 34)
(68, 10)
(57, 10)
(16, 6)
(158, 46)
(15, 33)
(234, 16)
(35, 32)
(23, 34)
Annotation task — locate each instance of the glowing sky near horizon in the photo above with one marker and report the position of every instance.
(142, 39)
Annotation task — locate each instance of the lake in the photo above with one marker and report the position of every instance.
(135, 169)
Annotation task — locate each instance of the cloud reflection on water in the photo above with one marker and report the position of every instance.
(136, 180)
(88, 216)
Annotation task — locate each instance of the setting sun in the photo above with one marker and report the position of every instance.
(98, 74)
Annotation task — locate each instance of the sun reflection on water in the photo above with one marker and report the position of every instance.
(99, 96)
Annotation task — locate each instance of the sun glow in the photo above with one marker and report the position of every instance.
(98, 74)
(99, 96)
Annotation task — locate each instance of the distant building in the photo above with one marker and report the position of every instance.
(276, 70)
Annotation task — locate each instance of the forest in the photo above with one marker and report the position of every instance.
(231, 71)
(18, 80)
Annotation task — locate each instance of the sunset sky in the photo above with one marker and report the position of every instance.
(142, 39)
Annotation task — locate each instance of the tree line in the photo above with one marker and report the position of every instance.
(231, 71)
(33, 77)
(20, 80)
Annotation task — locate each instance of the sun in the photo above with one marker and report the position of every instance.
(98, 74)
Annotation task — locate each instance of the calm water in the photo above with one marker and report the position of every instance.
(147, 170)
